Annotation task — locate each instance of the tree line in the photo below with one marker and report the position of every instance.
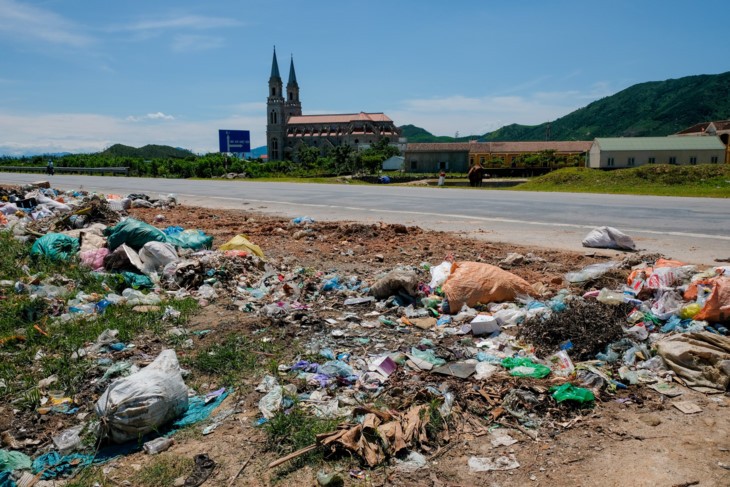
(306, 162)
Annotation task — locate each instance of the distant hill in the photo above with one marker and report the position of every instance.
(147, 152)
(652, 109)
(257, 152)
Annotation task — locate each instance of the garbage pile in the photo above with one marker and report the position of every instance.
(404, 360)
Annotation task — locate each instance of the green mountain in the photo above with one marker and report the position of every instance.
(655, 108)
(148, 152)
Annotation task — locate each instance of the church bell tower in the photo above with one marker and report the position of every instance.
(276, 114)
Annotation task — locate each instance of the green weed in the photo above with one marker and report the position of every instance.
(234, 356)
(162, 470)
(292, 430)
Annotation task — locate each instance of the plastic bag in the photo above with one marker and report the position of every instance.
(241, 242)
(568, 392)
(717, 305)
(593, 271)
(427, 355)
(271, 402)
(134, 233)
(524, 367)
(94, 258)
(156, 255)
(608, 238)
(136, 405)
(473, 282)
(667, 305)
(14, 460)
(190, 239)
(55, 246)
(439, 274)
(395, 282)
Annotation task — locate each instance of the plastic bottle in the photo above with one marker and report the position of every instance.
(157, 445)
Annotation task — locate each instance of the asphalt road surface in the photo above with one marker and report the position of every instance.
(692, 229)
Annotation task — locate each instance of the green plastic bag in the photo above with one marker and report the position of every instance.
(524, 367)
(14, 460)
(190, 239)
(134, 233)
(428, 355)
(568, 392)
(137, 281)
(56, 246)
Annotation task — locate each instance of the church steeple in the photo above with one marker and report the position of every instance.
(292, 74)
(292, 91)
(275, 68)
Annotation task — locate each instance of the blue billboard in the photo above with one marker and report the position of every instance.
(234, 141)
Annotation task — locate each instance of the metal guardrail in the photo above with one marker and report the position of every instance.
(59, 169)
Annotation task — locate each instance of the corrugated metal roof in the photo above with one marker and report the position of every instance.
(659, 143)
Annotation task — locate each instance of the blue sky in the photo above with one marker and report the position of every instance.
(80, 75)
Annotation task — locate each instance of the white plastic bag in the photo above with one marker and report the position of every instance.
(608, 238)
(140, 403)
(156, 255)
(439, 274)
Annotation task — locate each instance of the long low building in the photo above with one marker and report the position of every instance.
(618, 152)
(458, 157)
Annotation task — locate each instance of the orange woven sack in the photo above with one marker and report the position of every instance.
(473, 282)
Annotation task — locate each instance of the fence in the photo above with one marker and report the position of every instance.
(60, 169)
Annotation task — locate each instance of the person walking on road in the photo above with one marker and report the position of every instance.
(49, 168)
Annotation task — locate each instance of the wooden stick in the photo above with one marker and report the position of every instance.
(233, 479)
(291, 456)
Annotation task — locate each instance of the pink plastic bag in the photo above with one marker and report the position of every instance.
(95, 258)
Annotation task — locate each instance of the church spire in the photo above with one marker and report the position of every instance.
(292, 74)
(275, 67)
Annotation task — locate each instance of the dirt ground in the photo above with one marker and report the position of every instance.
(635, 437)
(632, 437)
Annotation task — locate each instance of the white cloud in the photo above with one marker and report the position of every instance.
(85, 132)
(150, 116)
(197, 22)
(28, 23)
(196, 43)
(476, 116)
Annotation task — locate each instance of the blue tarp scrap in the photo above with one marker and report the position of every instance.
(5, 480)
(54, 465)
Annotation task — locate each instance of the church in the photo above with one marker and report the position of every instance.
(287, 128)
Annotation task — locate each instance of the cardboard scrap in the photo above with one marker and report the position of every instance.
(395, 432)
(462, 370)
(668, 389)
(424, 323)
(687, 407)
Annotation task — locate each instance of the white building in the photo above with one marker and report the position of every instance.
(619, 152)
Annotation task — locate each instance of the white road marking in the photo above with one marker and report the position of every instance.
(467, 217)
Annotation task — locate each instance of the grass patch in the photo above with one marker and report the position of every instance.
(27, 354)
(293, 430)
(707, 180)
(163, 470)
(236, 356)
(91, 476)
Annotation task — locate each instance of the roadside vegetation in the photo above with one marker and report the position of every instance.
(658, 180)
(32, 347)
(184, 164)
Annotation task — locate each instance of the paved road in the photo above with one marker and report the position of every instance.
(693, 229)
